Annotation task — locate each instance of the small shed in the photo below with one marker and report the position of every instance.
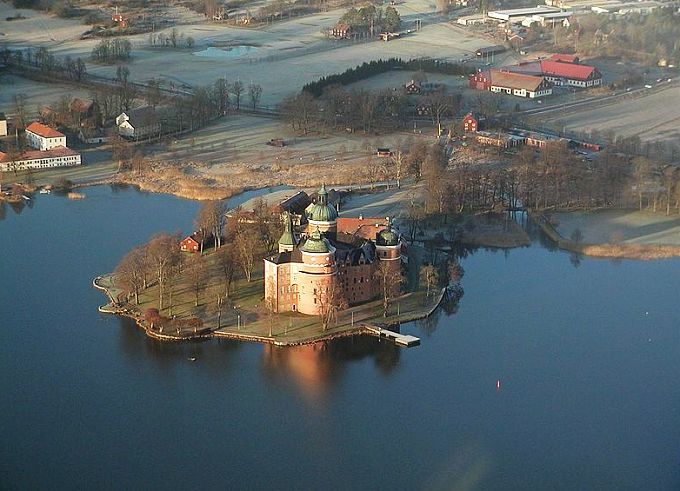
(383, 152)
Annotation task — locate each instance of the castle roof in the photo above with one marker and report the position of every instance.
(288, 238)
(316, 243)
(321, 211)
(387, 237)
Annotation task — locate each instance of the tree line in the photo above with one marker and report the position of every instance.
(68, 68)
(364, 110)
(376, 67)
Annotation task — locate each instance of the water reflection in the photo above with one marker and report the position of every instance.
(317, 368)
(213, 356)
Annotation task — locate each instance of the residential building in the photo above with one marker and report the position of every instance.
(412, 88)
(139, 123)
(189, 244)
(42, 137)
(470, 123)
(85, 113)
(3, 125)
(341, 31)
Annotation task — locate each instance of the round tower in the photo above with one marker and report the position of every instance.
(317, 274)
(321, 215)
(388, 246)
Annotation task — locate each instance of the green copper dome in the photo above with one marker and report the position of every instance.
(316, 243)
(287, 238)
(388, 237)
(321, 211)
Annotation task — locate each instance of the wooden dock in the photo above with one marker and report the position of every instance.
(398, 338)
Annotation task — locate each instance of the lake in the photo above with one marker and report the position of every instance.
(587, 354)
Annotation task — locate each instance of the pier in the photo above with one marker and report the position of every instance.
(398, 338)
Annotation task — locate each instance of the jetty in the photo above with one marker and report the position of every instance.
(398, 338)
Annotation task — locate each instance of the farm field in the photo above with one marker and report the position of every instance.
(286, 55)
(650, 117)
(38, 93)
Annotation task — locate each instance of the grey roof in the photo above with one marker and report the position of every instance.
(141, 116)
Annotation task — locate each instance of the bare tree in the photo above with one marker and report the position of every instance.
(429, 276)
(130, 272)
(163, 253)
(237, 90)
(227, 264)
(19, 108)
(255, 92)
(246, 244)
(330, 300)
(197, 275)
(389, 279)
(398, 164)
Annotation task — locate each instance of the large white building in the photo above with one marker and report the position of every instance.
(42, 137)
(37, 159)
(518, 15)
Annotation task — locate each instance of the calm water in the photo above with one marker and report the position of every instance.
(588, 358)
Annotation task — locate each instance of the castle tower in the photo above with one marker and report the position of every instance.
(322, 216)
(287, 242)
(317, 274)
(388, 250)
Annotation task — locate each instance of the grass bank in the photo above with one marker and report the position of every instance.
(608, 250)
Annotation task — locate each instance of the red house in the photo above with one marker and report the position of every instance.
(480, 81)
(189, 244)
(470, 123)
(412, 88)
(341, 31)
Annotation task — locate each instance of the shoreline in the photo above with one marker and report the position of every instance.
(606, 250)
(229, 333)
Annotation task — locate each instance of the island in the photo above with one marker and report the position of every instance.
(324, 277)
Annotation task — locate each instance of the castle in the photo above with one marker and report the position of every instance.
(330, 258)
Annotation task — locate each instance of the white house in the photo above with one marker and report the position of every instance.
(37, 159)
(138, 123)
(3, 125)
(42, 137)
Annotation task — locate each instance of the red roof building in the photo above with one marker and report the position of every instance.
(564, 58)
(519, 84)
(562, 73)
(341, 31)
(44, 130)
(365, 228)
(189, 244)
(470, 123)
